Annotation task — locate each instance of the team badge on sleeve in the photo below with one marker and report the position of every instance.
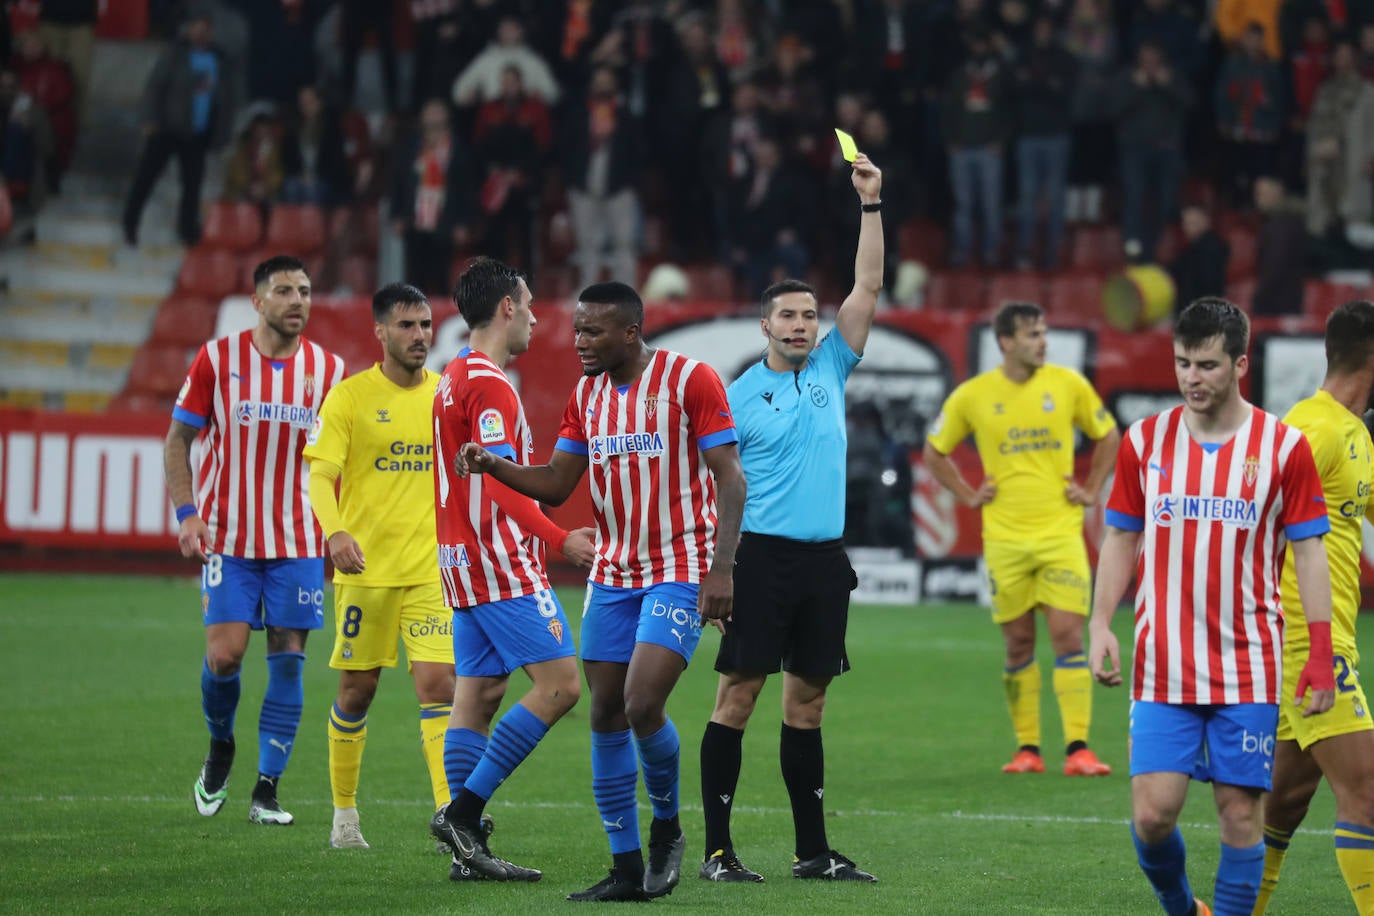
(186, 389)
(491, 428)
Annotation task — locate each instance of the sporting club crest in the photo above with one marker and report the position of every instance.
(1251, 471)
(556, 630)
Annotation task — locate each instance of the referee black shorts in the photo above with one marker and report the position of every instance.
(791, 608)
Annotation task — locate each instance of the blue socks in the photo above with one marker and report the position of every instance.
(659, 754)
(463, 747)
(515, 735)
(1238, 879)
(281, 711)
(614, 778)
(1164, 864)
(219, 698)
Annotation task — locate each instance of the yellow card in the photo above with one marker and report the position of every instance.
(847, 147)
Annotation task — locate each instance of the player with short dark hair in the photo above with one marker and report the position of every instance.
(793, 576)
(1340, 743)
(373, 440)
(1022, 416)
(491, 565)
(1204, 497)
(252, 398)
(656, 430)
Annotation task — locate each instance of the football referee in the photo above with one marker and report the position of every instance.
(792, 577)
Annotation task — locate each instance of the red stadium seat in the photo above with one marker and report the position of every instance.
(710, 283)
(1021, 286)
(922, 241)
(233, 226)
(1171, 241)
(1095, 248)
(955, 290)
(1244, 252)
(186, 321)
(209, 274)
(1075, 297)
(141, 403)
(295, 229)
(359, 273)
(158, 371)
(357, 228)
(556, 283)
(1321, 297)
(1241, 292)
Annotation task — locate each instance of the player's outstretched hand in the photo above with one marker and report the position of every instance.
(580, 547)
(716, 599)
(346, 553)
(193, 537)
(472, 459)
(1321, 679)
(1076, 493)
(1104, 656)
(867, 178)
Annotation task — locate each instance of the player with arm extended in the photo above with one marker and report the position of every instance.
(793, 577)
(667, 489)
(1339, 744)
(491, 562)
(252, 398)
(373, 439)
(1022, 416)
(1204, 497)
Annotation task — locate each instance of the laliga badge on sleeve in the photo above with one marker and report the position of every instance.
(847, 148)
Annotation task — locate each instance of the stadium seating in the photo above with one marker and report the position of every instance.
(210, 273)
(358, 272)
(1074, 297)
(1320, 297)
(1244, 250)
(296, 229)
(922, 241)
(1095, 248)
(711, 282)
(232, 226)
(186, 321)
(158, 372)
(953, 290)
(1021, 286)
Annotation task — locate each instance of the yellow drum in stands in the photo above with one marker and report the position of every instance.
(1138, 298)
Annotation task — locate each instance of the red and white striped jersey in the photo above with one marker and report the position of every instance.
(256, 414)
(484, 554)
(1208, 619)
(654, 496)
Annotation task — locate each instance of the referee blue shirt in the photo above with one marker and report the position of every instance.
(793, 443)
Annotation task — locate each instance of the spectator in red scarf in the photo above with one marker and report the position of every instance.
(430, 203)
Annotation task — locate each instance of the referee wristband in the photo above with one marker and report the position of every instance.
(185, 512)
(871, 208)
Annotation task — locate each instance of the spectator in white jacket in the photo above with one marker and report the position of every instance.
(480, 81)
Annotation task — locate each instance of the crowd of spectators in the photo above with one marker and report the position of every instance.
(702, 128)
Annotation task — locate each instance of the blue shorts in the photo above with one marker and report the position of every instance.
(1231, 744)
(614, 619)
(279, 593)
(494, 639)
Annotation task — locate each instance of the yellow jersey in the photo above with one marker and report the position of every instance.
(1344, 455)
(1024, 436)
(382, 436)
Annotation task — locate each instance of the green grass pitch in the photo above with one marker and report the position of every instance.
(101, 737)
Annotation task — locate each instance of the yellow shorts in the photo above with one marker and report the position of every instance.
(1349, 714)
(1024, 575)
(367, 622)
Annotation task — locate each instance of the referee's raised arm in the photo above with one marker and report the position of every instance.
(856, 313)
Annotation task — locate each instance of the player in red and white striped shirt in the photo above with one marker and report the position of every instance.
(491, 563)
(252, 398)
(1205, 497)
(668, 490)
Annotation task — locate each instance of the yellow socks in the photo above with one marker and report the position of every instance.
(347, 738)
(1022, 687)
